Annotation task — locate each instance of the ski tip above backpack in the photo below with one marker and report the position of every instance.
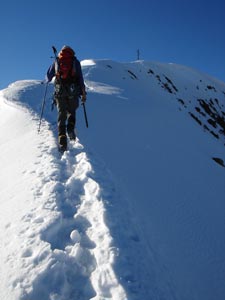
(67, 49)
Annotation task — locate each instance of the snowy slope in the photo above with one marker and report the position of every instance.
(135, 209)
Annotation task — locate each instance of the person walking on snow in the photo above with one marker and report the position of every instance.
(69, 86)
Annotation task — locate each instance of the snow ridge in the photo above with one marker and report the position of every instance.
(134, 210)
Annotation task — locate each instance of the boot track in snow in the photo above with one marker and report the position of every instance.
(82, 256)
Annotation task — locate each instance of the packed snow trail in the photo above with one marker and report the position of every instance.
(82, 257)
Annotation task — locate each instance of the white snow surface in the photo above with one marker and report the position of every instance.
(135, 209)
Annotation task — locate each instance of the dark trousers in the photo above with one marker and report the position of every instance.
(66, 114)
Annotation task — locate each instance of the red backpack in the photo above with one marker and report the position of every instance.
(65, 64)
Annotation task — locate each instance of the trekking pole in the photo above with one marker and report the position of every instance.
(85, 114)
(43, 102)
(42, 107)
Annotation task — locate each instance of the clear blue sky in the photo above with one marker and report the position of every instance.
(188, 32)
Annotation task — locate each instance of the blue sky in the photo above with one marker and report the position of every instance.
(188, 32)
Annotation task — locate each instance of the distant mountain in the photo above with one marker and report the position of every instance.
(135, 209)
